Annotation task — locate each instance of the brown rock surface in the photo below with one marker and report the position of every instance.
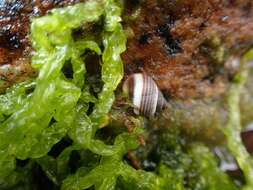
(183, 45)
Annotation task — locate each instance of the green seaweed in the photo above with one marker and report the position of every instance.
(38, 120)
(233, 127)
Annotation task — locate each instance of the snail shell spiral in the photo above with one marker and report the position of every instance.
(144, 94)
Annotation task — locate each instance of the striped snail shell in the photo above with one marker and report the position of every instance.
(144, 94)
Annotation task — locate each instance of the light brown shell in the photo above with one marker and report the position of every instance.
(144, 94)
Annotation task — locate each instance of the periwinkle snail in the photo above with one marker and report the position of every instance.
(146, 97)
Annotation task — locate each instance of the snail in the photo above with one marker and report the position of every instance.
(144, 94)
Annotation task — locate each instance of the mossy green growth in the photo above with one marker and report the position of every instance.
(185, 165)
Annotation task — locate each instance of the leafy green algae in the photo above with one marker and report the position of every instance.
(32, 123)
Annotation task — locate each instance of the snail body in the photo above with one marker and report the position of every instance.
(146, 97)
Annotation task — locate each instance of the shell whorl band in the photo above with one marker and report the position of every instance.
(144, 94)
